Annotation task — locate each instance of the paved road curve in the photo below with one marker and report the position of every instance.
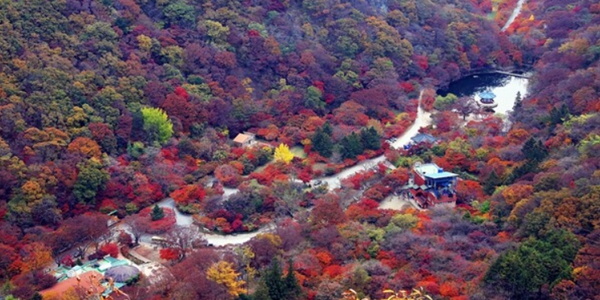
(514, 15)
(423, 119)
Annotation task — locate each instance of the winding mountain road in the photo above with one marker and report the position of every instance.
(333, 182)
(423, 119)
(212, 238)
(514, 15)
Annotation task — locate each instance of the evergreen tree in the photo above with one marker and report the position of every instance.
(521, 170)
(555, 117)
(490, 184)
(274, 282)
(37, 296)
(564, 110)
(518, 102)
(558, 116)
(273, 286)
(262, 291)
(534, 150)
(290, 281)
(351, 146)
(524, 271)
(346, 148)
(327, 129)
(370, 138)
(357, 145)
(157, 213)
(321, 142)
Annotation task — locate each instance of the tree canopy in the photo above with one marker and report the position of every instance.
(157, 125)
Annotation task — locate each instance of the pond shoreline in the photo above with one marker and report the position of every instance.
(485, 71)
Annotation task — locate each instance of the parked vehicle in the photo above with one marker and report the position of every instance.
(158, 240)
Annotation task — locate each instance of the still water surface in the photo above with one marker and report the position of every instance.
(504, 86)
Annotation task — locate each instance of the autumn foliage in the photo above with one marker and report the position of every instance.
(107, 107)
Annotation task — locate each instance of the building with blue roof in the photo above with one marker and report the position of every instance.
(432, 185)
(424, 138)
(487, 100)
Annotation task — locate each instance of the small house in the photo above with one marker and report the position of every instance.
(424, 138)
(244, 139)
(431, 185)
(419, 144)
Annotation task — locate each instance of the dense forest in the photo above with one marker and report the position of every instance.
(108, 107)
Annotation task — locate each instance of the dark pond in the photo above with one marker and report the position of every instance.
(505, 88)
(475, 84)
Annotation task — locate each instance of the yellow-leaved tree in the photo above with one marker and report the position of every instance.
(223, 273)
(416, 294)
(247, 255)
(283, 153)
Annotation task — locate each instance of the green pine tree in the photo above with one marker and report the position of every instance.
(346, 148)
(351, 146)
(370, 138)
(490, 184)
(534, 150)
(36, 296)
(321, 142)
(262, 291)
(290, 281)
(157, 213)
(327, 129)
(521, 170)
(273, 286)
(555, 117)
(274, 282)
(564, 111)
(523, 272)
(518, 102)
(558, 116)
(357, 146)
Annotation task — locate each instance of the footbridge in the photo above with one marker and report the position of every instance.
(526, 76)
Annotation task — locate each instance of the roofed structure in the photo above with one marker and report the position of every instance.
(244, 139)
(424, 138)
(486, 100)
(487, 95)
(79, 284)
(122, 273)
(432, 185)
